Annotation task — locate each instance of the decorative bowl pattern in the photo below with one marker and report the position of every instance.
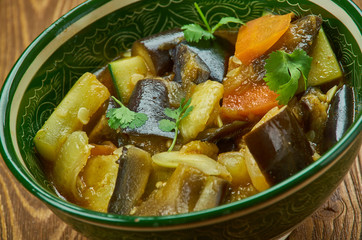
(95, 33)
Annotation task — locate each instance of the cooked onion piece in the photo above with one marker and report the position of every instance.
(202, 162)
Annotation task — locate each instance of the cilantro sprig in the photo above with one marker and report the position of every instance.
(178, 114)
(122, 117)
(284, 70)
(194, 32)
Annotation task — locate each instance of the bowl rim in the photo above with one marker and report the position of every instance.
(162, 222)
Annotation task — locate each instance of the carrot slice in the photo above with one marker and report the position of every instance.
(248, 103)
(258, 35)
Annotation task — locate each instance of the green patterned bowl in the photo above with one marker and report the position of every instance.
(96, 32)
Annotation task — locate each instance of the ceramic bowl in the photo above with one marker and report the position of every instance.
(93, 34)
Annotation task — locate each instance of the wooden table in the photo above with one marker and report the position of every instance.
(22, 216)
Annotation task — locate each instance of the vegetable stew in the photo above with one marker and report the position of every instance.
(191, 118)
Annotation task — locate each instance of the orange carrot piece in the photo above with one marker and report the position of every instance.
(248, 103)
(258, 35)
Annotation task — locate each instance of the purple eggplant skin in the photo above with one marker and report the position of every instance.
(227, 131)
(135, 167)
(226, 136)
(155, 50)
(279, 147)
(101, 130)
(179, 195)
(150, 96)
(213, 193)
(215, 53)
(341, 114)
(188, 66)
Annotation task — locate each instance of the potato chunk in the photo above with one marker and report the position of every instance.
(205, 99)
(235, 164)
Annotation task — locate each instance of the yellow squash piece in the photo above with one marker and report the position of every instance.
(325, 67)
(72, 158)
(99, 177)
(205, 99)
(74, 111)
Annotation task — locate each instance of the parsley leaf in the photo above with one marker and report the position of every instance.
(194, 32)
(166, 125)
(122, 117)
(178, 114)
(226, 20)
(284, 70)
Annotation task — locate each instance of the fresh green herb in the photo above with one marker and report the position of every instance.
(122, 117)
(194, 32)
(178, 114)
(284, 70)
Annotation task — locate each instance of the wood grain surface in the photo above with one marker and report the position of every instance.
(22, 216)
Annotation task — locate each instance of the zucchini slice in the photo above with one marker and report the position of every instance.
(325, 67)
(126, 73)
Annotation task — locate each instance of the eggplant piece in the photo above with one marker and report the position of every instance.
(188, 67)
(215, 54)
(150, 143)
(225, 137)
(179, 195)
(213, 193)
(300, 35)
(135, 166)
(155, 50)
(257, 178)
(227, 131)
(279, 146)
(101, 131)
(176, 92)
(125, 73)
(159, 175)
(230, 35)
(341, 115)
(314, 107)
(150, 96)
